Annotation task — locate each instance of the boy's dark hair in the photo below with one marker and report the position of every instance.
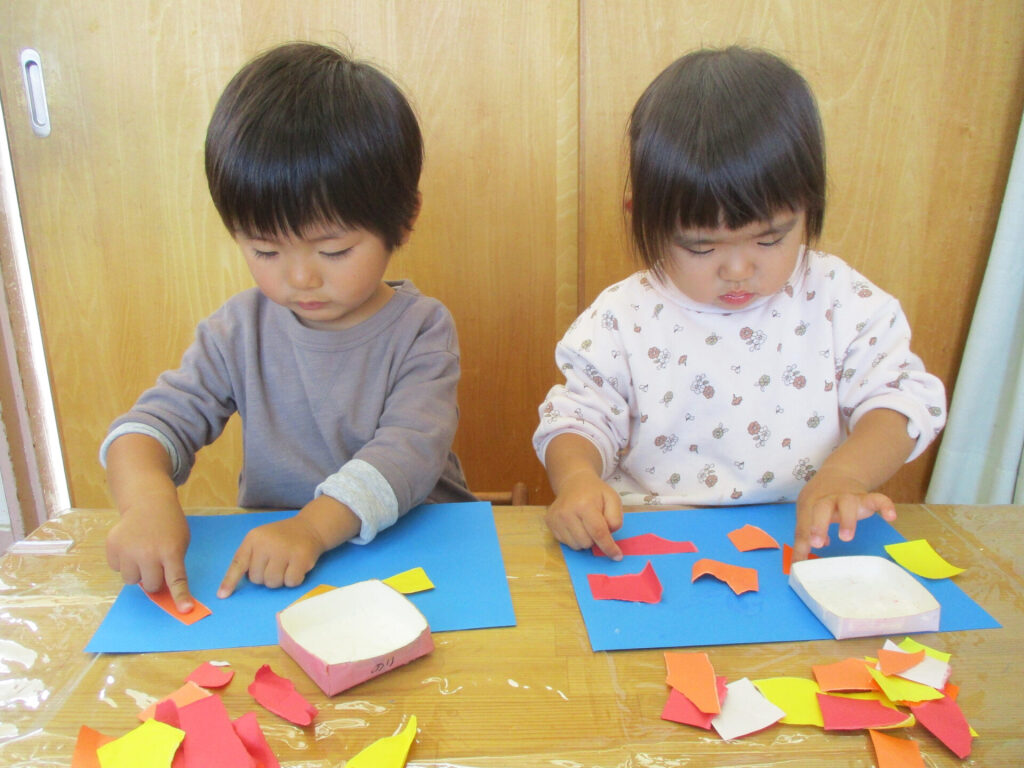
(303, 135)
(723, 138)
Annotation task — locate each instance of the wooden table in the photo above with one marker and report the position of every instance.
(530, 695)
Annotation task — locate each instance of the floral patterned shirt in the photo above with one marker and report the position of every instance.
(691, 404)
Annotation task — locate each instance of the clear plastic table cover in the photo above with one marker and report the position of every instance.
(530, 695)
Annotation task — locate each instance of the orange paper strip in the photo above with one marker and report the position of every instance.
(751, 537)
(85, 748)
(787, 558)
(164, 600)
(740, 579)
(895, 753)
(693, 676)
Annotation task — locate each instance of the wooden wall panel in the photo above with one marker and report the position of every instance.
(921, 102)
(128, 253)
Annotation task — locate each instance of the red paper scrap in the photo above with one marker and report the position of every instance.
(843, 714)
(740, 579)
(210, 738)
(895, 662)
(846, 675)
(680, 709)
(946, 722)
(167, 713)
(642, 587)
(188, 693)
(278, 695)
(893, 752)
(751, 537)
(164, 600)
(649, 544)
(88, 742)
(248, 729)
(787, 558)
(209, 675)
(691, 673)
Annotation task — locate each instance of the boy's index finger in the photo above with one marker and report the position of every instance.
(238, 568)
(602, 537)
(177, 584)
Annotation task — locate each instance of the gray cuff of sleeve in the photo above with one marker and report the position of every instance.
(137, 428)
(360, 487)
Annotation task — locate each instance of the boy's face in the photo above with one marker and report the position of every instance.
(730, 268)
(330, 277)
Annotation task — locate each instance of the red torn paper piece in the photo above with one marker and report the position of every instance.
(751, 537)
(787, 558)
(209, 675)
(895, 753)
(679, 709)
(210, 738)
(649, 544)
(249, 731)
(846, 675)
(894, 662)
(85, 748)
(692, 675)
(642, 587)
(167, 713)
(278, 695)
(740, 579)
(164, 600)
(188, 693)
(943, 718)
(843, 714)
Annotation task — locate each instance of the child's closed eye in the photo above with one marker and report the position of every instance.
(776, 241)
(335, 254)
(263, 254)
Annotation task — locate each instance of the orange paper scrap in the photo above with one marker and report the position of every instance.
(894, 662)
(740, 579)
(846, 675)
(751, 537)
(787, 558)
(164, 600)
(85, 748)
(893, 752)
(679, 709)
(692, 675)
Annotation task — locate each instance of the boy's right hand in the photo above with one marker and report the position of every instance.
(585, 513)
(148, 548)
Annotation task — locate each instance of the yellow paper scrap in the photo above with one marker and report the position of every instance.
(796, 696)
(151, 745)
(918, 557)
(901, 689)
(389, 752)
(910, 645)
(411, 581)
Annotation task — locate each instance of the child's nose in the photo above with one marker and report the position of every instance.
(302, 273)
(737, 265)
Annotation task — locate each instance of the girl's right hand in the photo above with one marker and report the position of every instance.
(585, 513)
(148, 548)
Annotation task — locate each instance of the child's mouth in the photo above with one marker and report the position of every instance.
(737, 298)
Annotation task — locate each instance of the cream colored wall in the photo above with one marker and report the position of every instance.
(523, 106)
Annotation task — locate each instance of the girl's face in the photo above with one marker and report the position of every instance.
(730, 268)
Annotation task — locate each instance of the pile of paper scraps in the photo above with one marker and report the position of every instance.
(906, 684)
(191, 727)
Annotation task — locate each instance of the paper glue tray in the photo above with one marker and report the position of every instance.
(862, 596)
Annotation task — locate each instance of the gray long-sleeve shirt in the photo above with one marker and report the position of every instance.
(321, 410)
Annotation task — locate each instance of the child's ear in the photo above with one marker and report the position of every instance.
(407, 232)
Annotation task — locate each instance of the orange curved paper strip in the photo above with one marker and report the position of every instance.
(693, 676)
(164, 600)
(892, 752)
(787, 558)
(751, 537)
(894, 662)
(740, 579)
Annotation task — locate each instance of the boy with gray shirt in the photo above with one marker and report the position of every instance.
(345, 383)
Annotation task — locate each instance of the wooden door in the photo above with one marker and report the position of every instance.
(921, 103)
(128, 254)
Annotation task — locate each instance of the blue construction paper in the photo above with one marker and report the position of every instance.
(456, 544)
(707, 612)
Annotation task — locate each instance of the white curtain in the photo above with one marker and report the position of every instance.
(981, 459)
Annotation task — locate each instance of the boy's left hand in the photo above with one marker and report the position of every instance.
(828, 499)
(275, 554)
